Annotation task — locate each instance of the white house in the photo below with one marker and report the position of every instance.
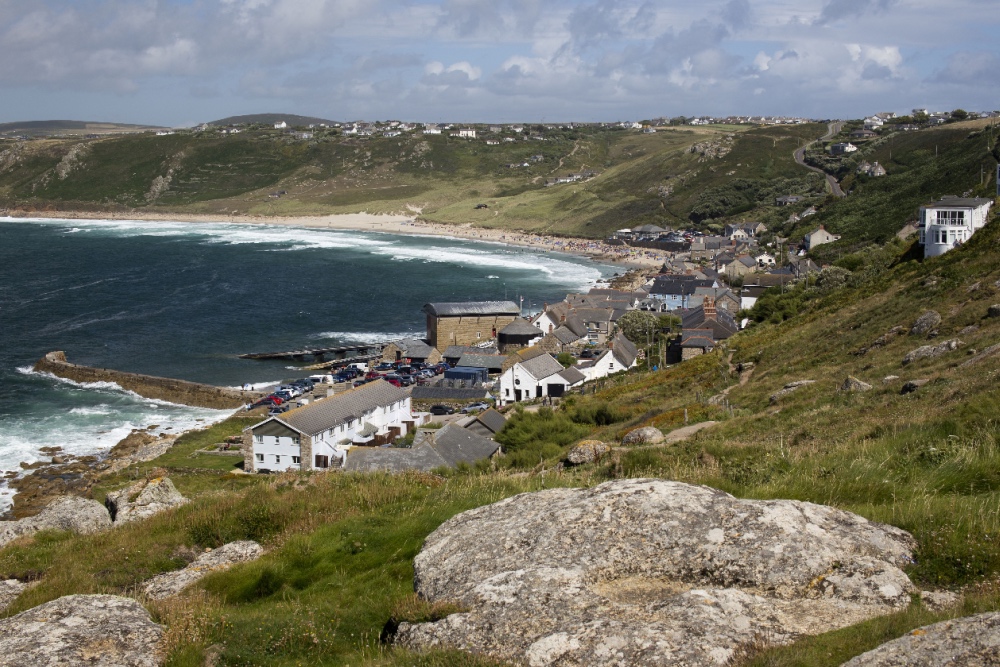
(951, 222)
(620, 356)
(819, 237)
(466, 133)
(318, 435)
(536, 378)
(281, 125)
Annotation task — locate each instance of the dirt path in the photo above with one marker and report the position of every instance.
(800, 158)
(576, 145)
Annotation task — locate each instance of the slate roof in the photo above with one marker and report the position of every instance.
(565, 336)
(722, 324)
(338, 409)
(595, 314)
(678, 285)
(457, 445)
(697, 338)
(542, 366)
(448, 446)
(572, 375)
(491, 362)
(456, 351)
(425, 393)
(492, 420)
(624, 350)
(459, 308)
(521, 327)
(413, 347)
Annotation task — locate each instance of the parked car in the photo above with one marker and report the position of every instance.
(442, 410)
(440, 368)
(393, 381)
(475, 407)
(385, 366)
(407, 380)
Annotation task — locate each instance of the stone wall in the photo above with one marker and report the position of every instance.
(148, 386)
(465, 330)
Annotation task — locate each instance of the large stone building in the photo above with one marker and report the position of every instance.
(467, 322)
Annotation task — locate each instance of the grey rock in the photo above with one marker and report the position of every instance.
(171, 583)
(651, 572)
(889, 378)
(912, 386)
(988, 352)
(939, 600)
(961, 642)
(93, 630)
(932, 351)
(926, 323)
(588, 451)
(993, 311)
(854, 384)
(971, 329)
(73, 513)
(647, 435)
(789, 388)
(9, 590)
(143, 499)
(974, 287)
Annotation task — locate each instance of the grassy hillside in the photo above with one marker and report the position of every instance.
(339, 565)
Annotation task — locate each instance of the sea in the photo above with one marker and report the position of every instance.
(183, 300)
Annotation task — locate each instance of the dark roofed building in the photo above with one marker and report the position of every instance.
(448, 446)
(467, 322)
(493, 363)
(487, 423)
(412, 349)
(516, 335)
(707, 316)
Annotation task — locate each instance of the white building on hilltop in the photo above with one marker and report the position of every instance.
(950, 222)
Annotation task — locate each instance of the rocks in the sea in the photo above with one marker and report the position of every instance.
(9, 590)
(854, 384)
(79, 515)
(931, 351)
(143, 499)
(651, 572)
(913, 385)
(647, 435)
(171, 583)
(588, 451)
(99, 630)
(926, 323)
(789, 388)
(973, 640)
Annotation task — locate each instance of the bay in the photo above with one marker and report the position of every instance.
(183, 300)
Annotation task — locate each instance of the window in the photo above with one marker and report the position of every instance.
(277, 458)
(296, 459)
(258, 438)
(479, 334)
(260, 458)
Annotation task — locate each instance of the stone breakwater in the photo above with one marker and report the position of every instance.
(149, 386)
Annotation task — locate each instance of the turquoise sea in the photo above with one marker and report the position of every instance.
(183, 300)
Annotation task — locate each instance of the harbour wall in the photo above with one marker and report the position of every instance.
(149, 386)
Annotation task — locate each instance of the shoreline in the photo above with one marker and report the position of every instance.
(404, 225)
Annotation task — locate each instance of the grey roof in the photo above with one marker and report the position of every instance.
(572, 375)
(678, 285)
(456, 351)
(520, 327)
(624, 350)
(565, 335)
(492, 420)
(542, 366)
(488, 361)
(413, 347)
(338, 409)
(595, 314)
(423, 393)
(459, 308)
(697, 338)
(970, 202)
(448, 446)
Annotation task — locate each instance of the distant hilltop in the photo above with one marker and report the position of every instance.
(271, 118)
(62, 127)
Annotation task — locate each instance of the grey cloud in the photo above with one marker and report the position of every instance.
(970, 68)
(468, 17)
(835, 10)
(872, 71)
(591, 24)
(669, 49)
(375, 62)
(737, 14)
(454, 78)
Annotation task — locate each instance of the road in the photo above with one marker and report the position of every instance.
(833, 129)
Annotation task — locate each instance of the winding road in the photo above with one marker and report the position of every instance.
(833, 129)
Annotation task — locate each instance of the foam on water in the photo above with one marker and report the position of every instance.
(365, 338)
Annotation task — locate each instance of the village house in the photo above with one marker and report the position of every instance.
(818, 237)
(487, 423)
(467, 322)
(676, 291)
(516, 335)
(410, 349)
(867, 168)
(950, 222)
(787, 200)
(842, 148)
(749, 295)
(318, 435)
(537, 377)
(720, 322)
(621, 355)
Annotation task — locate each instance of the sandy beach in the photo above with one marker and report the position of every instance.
(394, 224)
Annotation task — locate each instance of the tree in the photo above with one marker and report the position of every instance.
(566, 359)
(639, 326)
(959, 114)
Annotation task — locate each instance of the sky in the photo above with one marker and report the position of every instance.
(181, 62)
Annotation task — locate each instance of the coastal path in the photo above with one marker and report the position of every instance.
(833, 129)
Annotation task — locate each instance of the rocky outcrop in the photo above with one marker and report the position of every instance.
(789, 388)
(79, 515)
(164, 389)
(988, 352)
(931, 351)
(9, 590)
(143, 499)
(651, 572)
(974, 640)
(647, 435)
(854, 384)
(98, 630)
(171, 583)
(926, 323)
(588, 451)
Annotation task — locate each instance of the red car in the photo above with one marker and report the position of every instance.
(394, 381)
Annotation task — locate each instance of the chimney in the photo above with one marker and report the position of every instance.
(709, 306)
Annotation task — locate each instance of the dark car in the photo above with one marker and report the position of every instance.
(440, 368)
(407, 380)
(442, 410)
(385, 366)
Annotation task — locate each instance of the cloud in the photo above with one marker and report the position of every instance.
(837, 10)
(461, 74)
(970, 68)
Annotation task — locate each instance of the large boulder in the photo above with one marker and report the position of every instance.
(79, 515)
(171, 583)
(93, 630)
(974, 640)
(651, 572)
(931, 351)
(143, 499)
(926, 323)
(647, 435)
(588, 451)
(9, 590)
(854, 384)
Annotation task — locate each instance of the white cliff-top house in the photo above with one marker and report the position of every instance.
(318, 435)
(950, 222)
